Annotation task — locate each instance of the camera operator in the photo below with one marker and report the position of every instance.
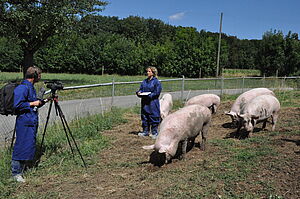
(25, 103)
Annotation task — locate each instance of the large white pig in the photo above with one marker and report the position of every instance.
(166, 104)
(182, 126)
(244, 98)
(259, 110)
(211, 101)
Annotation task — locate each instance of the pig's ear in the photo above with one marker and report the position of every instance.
(228, 113)
(254, 117)
(241, 116)
(162, 150)
(148, 147)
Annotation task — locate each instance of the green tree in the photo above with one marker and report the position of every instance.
(292, 54)
(10, 54)
(271, 56)
(32, 22)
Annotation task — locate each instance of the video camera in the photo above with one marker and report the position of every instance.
(54, 85)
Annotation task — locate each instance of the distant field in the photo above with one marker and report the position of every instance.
(80, 79)
(72, 79)
(240, 73)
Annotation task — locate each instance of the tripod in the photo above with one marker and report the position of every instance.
(54, 98)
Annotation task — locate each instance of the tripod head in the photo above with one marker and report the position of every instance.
(54, 85)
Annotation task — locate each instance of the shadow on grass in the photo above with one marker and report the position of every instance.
(229, 125)
(297, 142)
(134, 132)
(242, 134)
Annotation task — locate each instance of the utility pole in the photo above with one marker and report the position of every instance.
(219, 46)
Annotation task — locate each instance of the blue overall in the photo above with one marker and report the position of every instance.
(26, 122)
(150, 109)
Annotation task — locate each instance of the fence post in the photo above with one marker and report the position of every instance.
(283, 82)
(182, 88)
(222, 85)
(243, 86)
(264, 79)
(113, 92)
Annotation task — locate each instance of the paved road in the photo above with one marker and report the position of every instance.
(73, 109)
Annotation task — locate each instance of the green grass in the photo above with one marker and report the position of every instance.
(224, 173)
(240, 72)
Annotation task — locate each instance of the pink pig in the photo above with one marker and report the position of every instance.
(211, 101)
(182, 126)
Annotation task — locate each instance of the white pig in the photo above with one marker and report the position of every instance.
(182, 126)
(211, 101)
(259, 110)
(244, 98)
(166, 104)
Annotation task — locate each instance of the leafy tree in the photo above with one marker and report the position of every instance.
(32, 22)
(97, 24)
(10, 54)
(292, 54)
(271, 55)
(135, 28)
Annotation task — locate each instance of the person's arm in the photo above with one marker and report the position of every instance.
(140, 90)
(21, 102)
(21, 98)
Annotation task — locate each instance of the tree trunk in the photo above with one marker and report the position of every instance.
(27, 60)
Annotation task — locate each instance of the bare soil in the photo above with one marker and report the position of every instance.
(123, 170)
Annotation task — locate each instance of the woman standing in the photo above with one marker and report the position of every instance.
(150, 110)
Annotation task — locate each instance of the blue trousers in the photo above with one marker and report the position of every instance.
(147, 121)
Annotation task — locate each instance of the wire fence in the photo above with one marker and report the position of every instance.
(99, 98)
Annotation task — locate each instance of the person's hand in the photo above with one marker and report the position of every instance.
(36, 103)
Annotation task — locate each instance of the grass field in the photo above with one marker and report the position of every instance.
(240, 72)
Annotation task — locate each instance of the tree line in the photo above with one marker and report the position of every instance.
(95, 44)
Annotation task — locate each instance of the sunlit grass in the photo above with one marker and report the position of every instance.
(240, 72)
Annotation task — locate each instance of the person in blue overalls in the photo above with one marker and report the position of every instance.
(25, 103)
(150, 109)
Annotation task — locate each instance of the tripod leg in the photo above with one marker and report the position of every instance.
(48, 116)
(65, 124)
(64, 127)
(13, 137)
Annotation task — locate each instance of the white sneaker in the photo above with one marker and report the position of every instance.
(19, 178)
(153, 136)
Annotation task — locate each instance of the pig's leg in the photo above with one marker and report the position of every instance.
(264, 124)
(274, 120)
(204, 136)
(168, 158)
(183, 148)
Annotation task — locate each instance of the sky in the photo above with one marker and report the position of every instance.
(245, 19)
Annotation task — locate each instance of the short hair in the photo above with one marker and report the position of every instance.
(154, 70)
(32, 72)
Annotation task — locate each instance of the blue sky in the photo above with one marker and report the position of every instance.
(246, 19)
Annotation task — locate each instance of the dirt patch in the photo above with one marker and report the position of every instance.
(123, 170)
